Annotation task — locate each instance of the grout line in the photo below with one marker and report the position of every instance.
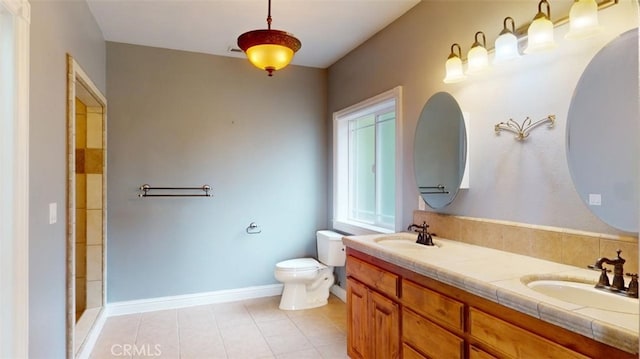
(178, 333)
(135, 339)
(244, 305)
(224, 343)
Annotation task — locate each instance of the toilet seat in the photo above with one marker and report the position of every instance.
(299, 265)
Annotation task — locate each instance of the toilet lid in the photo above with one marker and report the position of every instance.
(299, 264)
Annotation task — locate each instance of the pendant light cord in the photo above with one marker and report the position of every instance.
(269, 16)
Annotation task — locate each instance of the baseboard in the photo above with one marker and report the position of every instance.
(92, 337)
(339, 292)
(189, 300)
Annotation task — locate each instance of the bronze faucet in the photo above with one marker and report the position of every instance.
(618, 276)
(424, 237)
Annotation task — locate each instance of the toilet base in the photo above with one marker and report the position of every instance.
(297, 296)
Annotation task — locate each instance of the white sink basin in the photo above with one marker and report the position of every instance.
(586, 295)
(404, 241)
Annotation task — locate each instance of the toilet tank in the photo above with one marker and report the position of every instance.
(331, 251)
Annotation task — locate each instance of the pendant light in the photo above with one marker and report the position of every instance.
(540, 32)
(583, 19)
(506, 43)
(478, 57)
(269, 50)
(453, 66)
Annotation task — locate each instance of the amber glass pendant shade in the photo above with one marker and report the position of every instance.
(268, 49)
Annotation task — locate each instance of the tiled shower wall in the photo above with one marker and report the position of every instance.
(89, 206)
(555, 244)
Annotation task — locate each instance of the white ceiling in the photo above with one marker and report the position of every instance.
(328, 29)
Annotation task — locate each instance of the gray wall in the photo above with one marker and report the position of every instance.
(185, 119)
(57, 28)
(509, 180)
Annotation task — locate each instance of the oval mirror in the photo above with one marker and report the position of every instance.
(439, 150)
(602, 134)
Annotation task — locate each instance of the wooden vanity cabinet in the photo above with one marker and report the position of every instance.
(394, 312)
(373, 313)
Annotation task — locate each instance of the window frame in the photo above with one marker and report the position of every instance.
(341, 120)
(14, 183)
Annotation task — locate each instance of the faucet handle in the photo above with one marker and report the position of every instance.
(603, 281)
(632, 291)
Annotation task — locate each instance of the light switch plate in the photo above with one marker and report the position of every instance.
(53, 213)
(595, 199)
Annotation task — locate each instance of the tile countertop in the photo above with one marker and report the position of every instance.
(498, 276)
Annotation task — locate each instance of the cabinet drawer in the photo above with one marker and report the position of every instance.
(430, 338)
(374, 277)
(433, 305)
(475, 353)
(513, 341)
(410, 353)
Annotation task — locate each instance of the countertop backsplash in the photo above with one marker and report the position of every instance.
(561, 245)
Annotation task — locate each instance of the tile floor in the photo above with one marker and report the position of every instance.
(248, 329)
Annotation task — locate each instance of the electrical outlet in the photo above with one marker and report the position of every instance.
(595, 199)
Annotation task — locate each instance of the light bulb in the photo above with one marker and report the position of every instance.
(583, 19)
(478, 57)
(453, 66)
(540, 32)
(506, 47)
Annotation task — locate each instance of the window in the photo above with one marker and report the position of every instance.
(367, 165)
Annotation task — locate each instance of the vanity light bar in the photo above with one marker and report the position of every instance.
(521, 32)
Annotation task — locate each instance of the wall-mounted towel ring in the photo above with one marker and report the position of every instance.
(253, 228)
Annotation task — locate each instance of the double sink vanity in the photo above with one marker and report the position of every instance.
(449, 298)
(457, 300)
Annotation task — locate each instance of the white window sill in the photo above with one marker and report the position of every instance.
(356, 228)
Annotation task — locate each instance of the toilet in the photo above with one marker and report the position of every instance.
(306, 280)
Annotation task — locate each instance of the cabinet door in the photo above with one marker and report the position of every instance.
(384, 327)
(357, 314)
